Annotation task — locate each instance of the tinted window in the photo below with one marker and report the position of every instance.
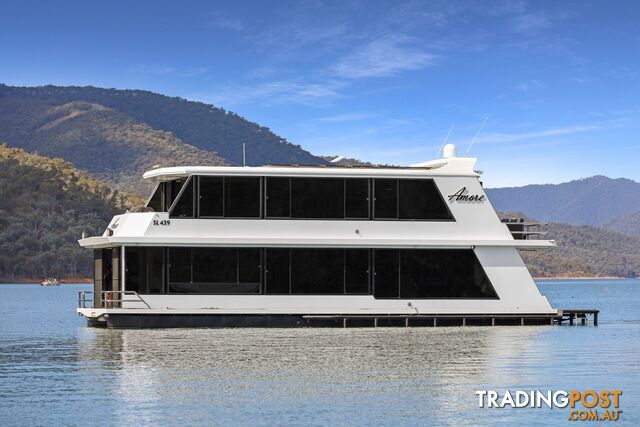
(172, 189)
(155, 270)
(210, 197)
(242, 197)
(214, 265)
(180, 265)
(144, 270)
(317, 198)
(184, 205)
(278, 197)
(420, 199)
(386, 277)
(356, 273)
(155, 202)
(386, 198)
(447, 273)
(277, 277)
(135, 278)
(357, 198)
(249, 265)
(317, 271)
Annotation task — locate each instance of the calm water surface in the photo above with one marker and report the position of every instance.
(56, 371)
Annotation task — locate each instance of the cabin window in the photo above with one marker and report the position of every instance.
(406, 273)
(386, 282)
(386, 198)
(356, 272)
(356, 198)
(242, 197)
(183, 207)
(317, 198)
(179, 265)
(249, 265)
(317, 271)
(409, 199)
(420, 199)
(229, 197)
(211, 196)
(144, 271)
(277, 277)
(445, 273)
(278, 198)
(155, 201)
(214, 265)
(215, 271)
(172, 189)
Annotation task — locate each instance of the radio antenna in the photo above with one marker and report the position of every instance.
(445, 140)
(244, 154)
(476, 137)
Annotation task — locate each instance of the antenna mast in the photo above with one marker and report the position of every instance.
(476, 137)
(244, 154)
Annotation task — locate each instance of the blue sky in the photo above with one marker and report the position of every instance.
(380, 81)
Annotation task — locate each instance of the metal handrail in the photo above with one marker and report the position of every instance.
(107, 297)
(82, 298)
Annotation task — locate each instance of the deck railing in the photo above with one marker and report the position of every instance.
(109, 299)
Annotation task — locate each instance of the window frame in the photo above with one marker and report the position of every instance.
(237, 249)
(224, 197)
(397, 218)
(179, 196)
(162, 196)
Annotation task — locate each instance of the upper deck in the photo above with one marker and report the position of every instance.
(458, 166)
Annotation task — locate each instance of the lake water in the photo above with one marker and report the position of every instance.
(56, 371)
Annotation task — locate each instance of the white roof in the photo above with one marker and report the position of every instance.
(458, 166)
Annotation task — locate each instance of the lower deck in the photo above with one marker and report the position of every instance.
(208, 320)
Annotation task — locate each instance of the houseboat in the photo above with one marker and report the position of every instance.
(293, 246)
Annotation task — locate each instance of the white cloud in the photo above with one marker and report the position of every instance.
(510, 137)
(384, 56)
(530, 85)
(170, 71)
(275, 92)
(224, 23)
(347, 117)
(530, 23)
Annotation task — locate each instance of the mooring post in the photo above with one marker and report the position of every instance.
(571, 319)
(595, 318)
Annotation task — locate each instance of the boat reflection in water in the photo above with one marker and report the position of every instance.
(362, 375)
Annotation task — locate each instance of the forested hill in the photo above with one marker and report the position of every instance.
(26, 112)
(595, 200)
(45, 205)
(585, 251)
(109, 145)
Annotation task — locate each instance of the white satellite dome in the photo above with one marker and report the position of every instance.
(450, 151)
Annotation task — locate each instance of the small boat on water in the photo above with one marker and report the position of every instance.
(50, 281)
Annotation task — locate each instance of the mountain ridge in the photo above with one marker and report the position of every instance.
(593, 200)
(202, 125)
